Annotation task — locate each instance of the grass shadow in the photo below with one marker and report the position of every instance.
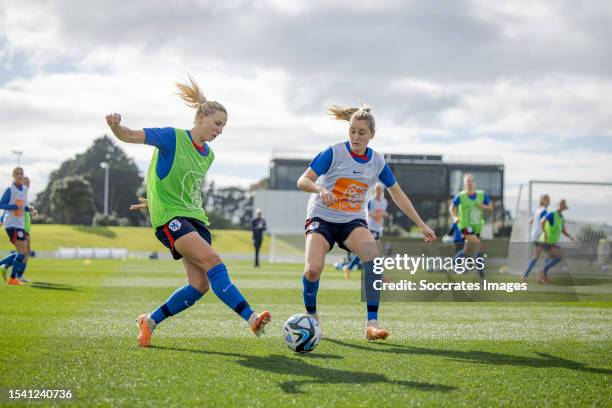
(284, 365)
(101, 231)
(51, 286)
(480, 357)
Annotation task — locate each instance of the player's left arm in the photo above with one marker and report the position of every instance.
(405, 204)
(487, 204)
(31, 210)
(567, 234)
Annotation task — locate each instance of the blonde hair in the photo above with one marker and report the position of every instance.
(468, 175)
(350, 114)
(543, 197)
(194, 98)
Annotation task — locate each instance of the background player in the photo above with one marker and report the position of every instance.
(341, 179)
(553, 225)
(258, 227)
(175, 207)
(536, 231)
(15, 203)
(467, 211)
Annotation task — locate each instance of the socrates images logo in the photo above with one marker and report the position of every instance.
(190, 193)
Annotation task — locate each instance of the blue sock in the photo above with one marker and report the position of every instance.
(532, 263)
(18, 266)
(480, 270)
(22, 269)
(227, 292)
(9, 259)
(354, 262)
(181, 299)
(372, 296)
(549, 264)
(459, 254)
(310, 294)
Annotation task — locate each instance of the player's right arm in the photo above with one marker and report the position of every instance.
(5, 200)
(318, 166)
(453, 208)
(124, 133)
(307, 183)
(144, 204)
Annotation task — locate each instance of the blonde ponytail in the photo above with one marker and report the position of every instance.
(194, 98)
(350, 114)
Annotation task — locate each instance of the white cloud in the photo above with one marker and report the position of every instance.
(522, 80)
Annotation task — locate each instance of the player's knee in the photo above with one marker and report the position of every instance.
(207, 262)
(313, 271)
(202, 287)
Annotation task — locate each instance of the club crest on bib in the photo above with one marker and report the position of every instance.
(190, 193)
(174, 225)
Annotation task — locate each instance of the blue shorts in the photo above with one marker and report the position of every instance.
(168, 233)
(547, 247)
(469, 231)
(332, 231)
(376, 235)
(16, 234)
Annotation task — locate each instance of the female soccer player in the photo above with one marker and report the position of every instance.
(341, 180)
(470, 219)
(15, 203)
(180, 162)
(536, 231)
(553, 225)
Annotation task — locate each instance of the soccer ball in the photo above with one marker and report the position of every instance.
(302, 333)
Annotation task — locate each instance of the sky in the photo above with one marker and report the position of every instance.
(528, 83)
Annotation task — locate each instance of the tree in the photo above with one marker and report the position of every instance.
(72, 200)
(124, 178)
(227, 207)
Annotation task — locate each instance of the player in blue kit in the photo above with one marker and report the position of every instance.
(467, 209)
(14, 202)
(341, 179)
(180, 162)
(536, 231)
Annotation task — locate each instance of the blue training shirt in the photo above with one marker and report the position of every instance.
(4, 201)
(550, 217)
(165, 141)
(322, 162)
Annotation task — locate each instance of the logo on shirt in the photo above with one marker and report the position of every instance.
(174, 225)
(350, 194)
(191, 194)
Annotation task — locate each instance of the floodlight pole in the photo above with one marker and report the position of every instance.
(18, 153)
(106, 167)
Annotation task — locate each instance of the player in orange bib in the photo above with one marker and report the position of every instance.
(341, 180)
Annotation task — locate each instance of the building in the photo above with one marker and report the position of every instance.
(430, 181)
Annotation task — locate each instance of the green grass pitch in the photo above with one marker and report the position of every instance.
(75, 328)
